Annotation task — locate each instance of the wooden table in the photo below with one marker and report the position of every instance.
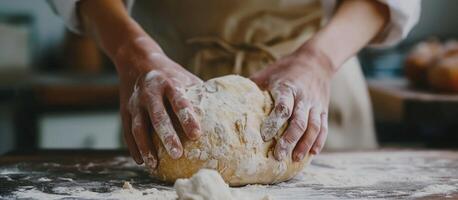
(382, 174)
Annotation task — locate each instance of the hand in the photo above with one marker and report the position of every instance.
(147, 79)
(299, 84)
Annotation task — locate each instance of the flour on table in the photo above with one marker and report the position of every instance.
(435, 189)
(357, 175)
(83, 193)
(44, 179)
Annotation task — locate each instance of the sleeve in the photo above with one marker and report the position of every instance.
(404, 14)
(67, 10)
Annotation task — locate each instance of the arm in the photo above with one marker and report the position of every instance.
(147, 78)
(305, 106)
(353, 26)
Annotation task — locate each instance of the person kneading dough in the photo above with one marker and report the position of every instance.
(300, 60)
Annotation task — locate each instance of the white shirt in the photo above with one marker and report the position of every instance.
(404, 14)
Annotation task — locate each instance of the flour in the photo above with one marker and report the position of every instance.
(363, 175)
(65, 179)
(346, 171)
(44, 179)
(209, 185)
(435, 189)
(205, 185)
(10, 171)
(83, 193)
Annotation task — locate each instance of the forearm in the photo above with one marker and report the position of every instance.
(355, 24)
(108, 22)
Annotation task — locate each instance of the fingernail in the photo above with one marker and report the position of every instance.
(175, 153)
(150, 163)
(137, 159)
(314, 152)
(267, 130)
(195, 134)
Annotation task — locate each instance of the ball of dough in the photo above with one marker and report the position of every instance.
(444, 76)
(423, 56)
(230, 110)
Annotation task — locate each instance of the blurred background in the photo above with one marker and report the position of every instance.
(57, 90)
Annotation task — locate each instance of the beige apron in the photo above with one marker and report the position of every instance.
(215, 38)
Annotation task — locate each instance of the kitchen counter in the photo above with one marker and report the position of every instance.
(381, 174)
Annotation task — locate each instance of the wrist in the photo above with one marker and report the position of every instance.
(312, 53)
(133, 56)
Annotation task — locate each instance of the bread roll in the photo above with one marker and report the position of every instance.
(444, 76)
(420, 59)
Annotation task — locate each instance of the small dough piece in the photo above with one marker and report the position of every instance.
(207, 184)
(230, 110)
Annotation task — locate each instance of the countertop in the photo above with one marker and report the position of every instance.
(378, 174)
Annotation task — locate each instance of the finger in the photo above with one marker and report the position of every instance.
(307, 140)
(296, 128)
(185, 112)
(284, 100)
(129, 138)
(163, 126)
(319, 143)
(143, 139)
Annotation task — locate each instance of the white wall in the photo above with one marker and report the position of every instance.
(439, 18)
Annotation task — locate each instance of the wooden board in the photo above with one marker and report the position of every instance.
(383, 174)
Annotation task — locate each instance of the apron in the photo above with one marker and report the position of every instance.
(216, 38)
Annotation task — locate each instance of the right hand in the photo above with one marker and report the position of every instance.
(147, 79)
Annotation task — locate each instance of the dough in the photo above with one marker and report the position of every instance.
(209, 185)
(230, 110)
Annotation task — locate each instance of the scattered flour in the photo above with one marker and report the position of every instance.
(9, 171)
(435, 189)
(65, 179)
(204, 185)
(80, 192)
(44, 179)
(7, 178)
(362, 169)
(406, 174)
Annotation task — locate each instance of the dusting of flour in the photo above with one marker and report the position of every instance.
(352, 175)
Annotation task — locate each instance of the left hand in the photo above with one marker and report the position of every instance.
(299, 84)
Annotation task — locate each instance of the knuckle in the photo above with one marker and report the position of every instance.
(159, 118)
(291, 138)
(304, 146)
(299, 124)
(180, 102)
(314, 125)
(170, 139)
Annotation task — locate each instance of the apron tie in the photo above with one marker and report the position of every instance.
(218, 49)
